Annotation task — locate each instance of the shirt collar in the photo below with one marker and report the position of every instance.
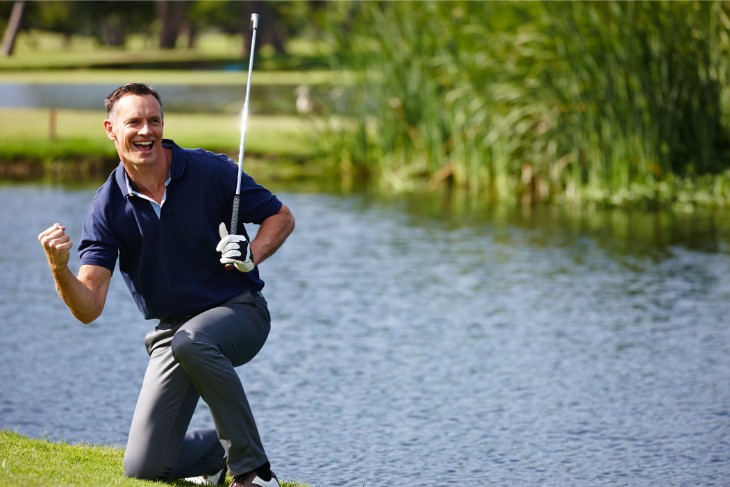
(132, 192)
(178, 158)
(177, 167)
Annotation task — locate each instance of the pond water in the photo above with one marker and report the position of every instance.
(418, 340)
(280, 99)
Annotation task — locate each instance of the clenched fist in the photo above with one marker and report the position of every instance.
(57, 245)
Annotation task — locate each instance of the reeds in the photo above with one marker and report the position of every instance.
(610, 102)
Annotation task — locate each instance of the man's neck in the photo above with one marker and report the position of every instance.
(150, 180)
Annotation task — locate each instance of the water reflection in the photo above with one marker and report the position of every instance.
(420, 339)
(635, 232)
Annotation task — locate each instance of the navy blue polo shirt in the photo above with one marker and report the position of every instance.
(169, 262)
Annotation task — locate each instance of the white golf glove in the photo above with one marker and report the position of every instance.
(235, 250)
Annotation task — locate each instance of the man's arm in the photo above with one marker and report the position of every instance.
(271, 235)
(85, 294)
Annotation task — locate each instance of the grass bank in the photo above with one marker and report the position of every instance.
(26, 461)
(38, 143)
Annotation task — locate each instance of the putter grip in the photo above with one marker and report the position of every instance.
(234, 222)
(233, 229)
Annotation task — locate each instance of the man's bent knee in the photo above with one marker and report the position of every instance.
(140, 467)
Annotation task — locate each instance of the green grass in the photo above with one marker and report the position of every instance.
(277, 147)
(28, 134)
(44, 50)
(26, 461)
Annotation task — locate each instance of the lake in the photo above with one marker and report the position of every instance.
(278, 99)
(424, 339)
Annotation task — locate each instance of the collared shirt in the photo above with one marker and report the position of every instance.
(167, 255)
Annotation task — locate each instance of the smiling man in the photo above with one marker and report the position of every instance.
(134, 123)
(161, 215)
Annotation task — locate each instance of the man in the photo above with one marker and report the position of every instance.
(162, 213)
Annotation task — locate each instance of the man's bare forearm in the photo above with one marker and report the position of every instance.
(272, 233)
(84, 294)
(85, 303)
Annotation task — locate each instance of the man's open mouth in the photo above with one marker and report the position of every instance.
(145, 146)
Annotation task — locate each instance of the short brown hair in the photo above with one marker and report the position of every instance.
(129, 89)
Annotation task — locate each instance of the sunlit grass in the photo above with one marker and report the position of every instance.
(47, 50)
(32, 132)
(26, 461)
(75, 146)
(44, 50)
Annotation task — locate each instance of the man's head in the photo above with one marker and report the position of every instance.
(134, 123)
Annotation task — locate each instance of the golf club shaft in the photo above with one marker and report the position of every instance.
(244, 124)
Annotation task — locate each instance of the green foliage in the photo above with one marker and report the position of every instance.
(582, 101)
(645, 86)
(109, 22)
(115, 22)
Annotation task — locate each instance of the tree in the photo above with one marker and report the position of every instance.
(11, 31)
(109, 22)
(171, 15)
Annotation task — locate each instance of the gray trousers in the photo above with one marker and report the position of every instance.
(191, 358)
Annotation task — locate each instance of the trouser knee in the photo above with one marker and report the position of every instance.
(138, 468)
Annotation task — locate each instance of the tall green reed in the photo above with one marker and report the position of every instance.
(611, 102)
(644, 90)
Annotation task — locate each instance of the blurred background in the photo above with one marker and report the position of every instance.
(612, 103)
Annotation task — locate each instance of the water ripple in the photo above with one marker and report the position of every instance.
(405, 348)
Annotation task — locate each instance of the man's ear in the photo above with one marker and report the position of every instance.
(109, 129)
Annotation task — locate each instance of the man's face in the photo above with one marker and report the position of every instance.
(136, 129)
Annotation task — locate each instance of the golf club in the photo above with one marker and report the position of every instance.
(244, 123)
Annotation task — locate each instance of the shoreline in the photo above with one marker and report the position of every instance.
(94, 169)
